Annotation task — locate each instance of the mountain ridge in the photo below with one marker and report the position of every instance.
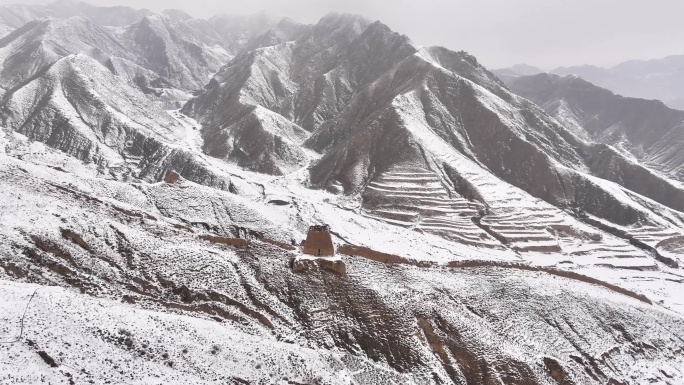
(648, 130)
(646, 79)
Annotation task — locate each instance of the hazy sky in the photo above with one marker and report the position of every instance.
(546, 33)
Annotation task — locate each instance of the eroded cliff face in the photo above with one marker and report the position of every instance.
(79, 107)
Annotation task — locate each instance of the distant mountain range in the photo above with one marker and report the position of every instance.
(158, 172)
(16, 15)
(645, 129)
(661, 79)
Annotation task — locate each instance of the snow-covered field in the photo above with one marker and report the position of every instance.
(102, 341)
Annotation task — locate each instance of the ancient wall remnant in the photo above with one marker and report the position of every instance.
(319, 242)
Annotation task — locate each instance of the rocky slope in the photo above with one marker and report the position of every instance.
(166, 59)
(38, 44)
(646, 129)
(293, 85)
(243, 315)
(78, 106)
(378, 110)
(168, 55)
(183, 55)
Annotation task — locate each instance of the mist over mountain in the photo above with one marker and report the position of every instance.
(163, 176)
(16, 15)
(661, 79)
(517, 70)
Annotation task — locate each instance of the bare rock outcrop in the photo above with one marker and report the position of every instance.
(310, 265)
(171, 177)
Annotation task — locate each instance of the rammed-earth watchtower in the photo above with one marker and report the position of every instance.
(318, 241)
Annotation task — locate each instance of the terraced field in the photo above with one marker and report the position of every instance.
(531, 229)
(525, 230)
(416, 198)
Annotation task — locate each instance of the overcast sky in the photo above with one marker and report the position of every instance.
(546, 33)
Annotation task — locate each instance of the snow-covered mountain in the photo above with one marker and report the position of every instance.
(14, 16)
(646, 129)
(35, 46)
(661, 79)
(78, 106)
(238, 31)
(482, 238)
(166, 59)
(184, 56)
(374, 106)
